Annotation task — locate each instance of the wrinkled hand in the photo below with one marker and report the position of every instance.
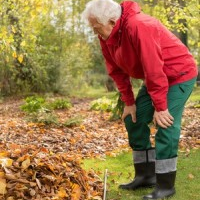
(130, 110)
(163, 118)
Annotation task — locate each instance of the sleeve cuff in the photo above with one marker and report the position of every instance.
(160, 106)
(129, 102)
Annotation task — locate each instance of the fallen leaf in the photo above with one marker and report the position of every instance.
(62, 193)
(26, 163)
(32, 192)
(10, 198)
(38, 183)
(6, 162)
(3, 186)
(191, 176)
(76, 192)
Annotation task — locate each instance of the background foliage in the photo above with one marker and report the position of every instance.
(45, 47)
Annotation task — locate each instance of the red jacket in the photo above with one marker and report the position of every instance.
(141, 47)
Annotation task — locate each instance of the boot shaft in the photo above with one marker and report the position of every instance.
(164, 186)
(166, 180)
(144, 169)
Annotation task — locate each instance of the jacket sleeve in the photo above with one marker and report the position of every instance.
(146, 40)
(121, 79)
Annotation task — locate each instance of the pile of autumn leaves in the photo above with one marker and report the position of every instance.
(36, 174)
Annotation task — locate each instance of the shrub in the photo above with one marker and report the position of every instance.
(103, 104)
(33, 104)
(114, 105)
(60, 104)
(41, 111)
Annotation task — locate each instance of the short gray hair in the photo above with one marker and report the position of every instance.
(102, 10)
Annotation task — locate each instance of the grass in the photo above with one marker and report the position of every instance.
(195, 95)
(95, 93)
(91, 92)
(120, 170)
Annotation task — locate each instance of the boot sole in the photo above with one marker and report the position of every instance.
(163, 198)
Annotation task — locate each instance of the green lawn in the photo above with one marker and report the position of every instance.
(120, 170)
(91, 92)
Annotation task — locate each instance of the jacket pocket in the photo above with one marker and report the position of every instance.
(181, 90)
(174, 73)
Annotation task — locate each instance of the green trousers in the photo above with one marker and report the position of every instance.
(166, 140)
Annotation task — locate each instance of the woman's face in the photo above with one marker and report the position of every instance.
(103, 30)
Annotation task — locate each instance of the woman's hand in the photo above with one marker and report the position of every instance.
(163, 118)
(130, 110)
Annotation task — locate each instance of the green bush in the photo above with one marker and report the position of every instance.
(113, 105)
(33, 104)
(60, 104)
(103, 104)
(41, 111)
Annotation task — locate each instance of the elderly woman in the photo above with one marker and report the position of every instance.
(139, 46)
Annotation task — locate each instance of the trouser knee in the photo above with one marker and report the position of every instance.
(138, 134)
(166, 142)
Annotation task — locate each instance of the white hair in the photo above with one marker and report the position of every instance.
(102, 10)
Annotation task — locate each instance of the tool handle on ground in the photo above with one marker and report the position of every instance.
(105, 184)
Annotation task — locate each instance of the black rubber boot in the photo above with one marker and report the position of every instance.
(164, 186)
(144, 176)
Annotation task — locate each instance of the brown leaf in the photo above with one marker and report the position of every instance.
(2, 186)
(10, 198)
(6, 162)
(26, 163)
(191, 176)
(2, 175)
(10, 176)
(76, 192)
(62, 193)
(38, 183)
(32, 192)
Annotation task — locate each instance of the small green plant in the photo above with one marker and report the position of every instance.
(43, 117)
(33, 104)
(114, 105)
(118, 109)
(74, 121)
(103, 104)
(60, 104)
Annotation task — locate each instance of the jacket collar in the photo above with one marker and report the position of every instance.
(115, 34)
(128, 8)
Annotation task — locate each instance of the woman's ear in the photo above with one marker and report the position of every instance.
(112, 22)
